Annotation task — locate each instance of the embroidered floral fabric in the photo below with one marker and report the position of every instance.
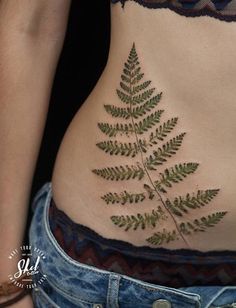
(221, 9)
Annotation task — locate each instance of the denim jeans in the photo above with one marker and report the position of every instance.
(70, 283)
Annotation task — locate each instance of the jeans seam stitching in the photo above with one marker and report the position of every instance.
(51, 238)
(65, 293)
(218, 294)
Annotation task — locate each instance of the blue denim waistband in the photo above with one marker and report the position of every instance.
(87, 284)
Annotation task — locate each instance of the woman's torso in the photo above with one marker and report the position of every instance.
(191, 61)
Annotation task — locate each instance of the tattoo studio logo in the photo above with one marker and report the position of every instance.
(27, 272)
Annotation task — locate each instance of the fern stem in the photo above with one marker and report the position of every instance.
(144, 166)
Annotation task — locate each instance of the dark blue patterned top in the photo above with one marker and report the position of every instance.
(221, 9)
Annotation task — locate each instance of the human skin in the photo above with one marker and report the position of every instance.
(191, 61)
(31, 38)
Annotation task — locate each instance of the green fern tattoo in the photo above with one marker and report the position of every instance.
(138, 109)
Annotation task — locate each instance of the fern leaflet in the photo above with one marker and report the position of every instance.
(125, 98)
(125, 87)
(159, 238)
(113, 130)
(118, 112)
(140, 220)
(148, 122)
(146, 107)
(140, 87)
(162, 131)
(200, 225)
(121, 172)
(160, 156)
(136, 112)
(123, 197)
(113, 147)
(174, 174)
(137, 78)
(182, 204)
(140, 98)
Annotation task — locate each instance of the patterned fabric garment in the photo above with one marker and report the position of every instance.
(171, 268)
(221, 9)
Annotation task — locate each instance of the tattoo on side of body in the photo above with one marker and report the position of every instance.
(144, 127)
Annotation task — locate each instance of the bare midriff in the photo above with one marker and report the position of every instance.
(191, 61)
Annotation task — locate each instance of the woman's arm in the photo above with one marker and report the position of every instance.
(31, 38)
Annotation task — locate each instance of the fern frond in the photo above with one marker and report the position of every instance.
(121, 172)
(146, 107)
(162, 131)
(181, 204)
(123, 197)
(167, 150)
(159, 238)
(119, 148)
(142, 86)
(138, 115)
(148, 122)
(118, 112)
(200, 225)
(146, 220)
(175, 174)
(113, 129)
